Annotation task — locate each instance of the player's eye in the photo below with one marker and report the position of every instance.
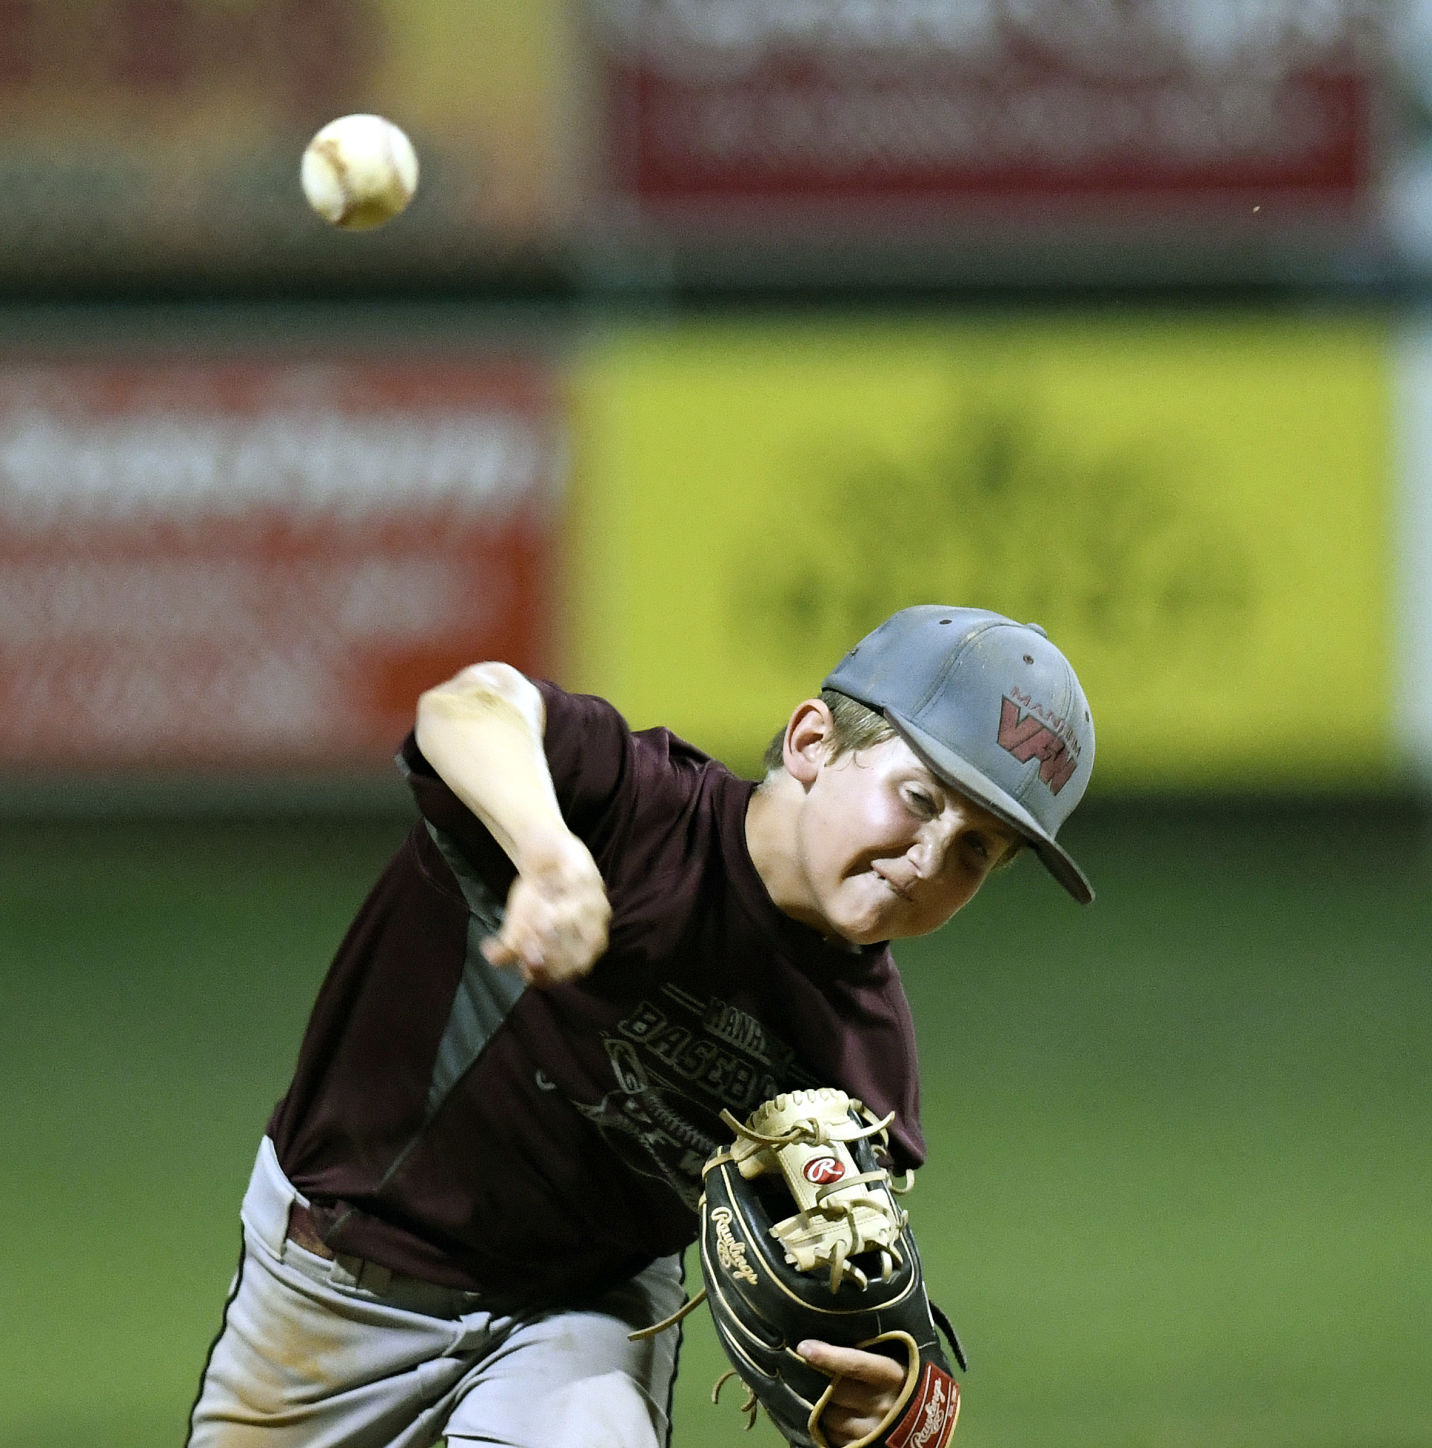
(921, 803)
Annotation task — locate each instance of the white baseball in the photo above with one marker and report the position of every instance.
(359, 171)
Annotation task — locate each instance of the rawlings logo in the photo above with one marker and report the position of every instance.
(1026, 737)
(729, 1252)
(930, 1422)
(822, 1170)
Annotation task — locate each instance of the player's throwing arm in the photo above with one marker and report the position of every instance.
(482, 732)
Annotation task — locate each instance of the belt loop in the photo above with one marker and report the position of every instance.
(346, 1271)
(267, 1201)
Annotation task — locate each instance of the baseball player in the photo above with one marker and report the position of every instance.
(484, 1172)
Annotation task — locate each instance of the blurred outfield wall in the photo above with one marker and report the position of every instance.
(239, 541)
(254, 557)
(156, 142)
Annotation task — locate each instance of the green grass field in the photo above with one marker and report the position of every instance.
(1181, 1174)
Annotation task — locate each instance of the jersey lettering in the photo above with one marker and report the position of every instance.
(667, 1042)
(676, 1061)
(735, 1026)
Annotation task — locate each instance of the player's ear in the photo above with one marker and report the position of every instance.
(809, 739)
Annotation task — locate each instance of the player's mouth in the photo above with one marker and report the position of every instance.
(902, 890)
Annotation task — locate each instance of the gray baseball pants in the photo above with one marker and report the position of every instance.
(342, 1353)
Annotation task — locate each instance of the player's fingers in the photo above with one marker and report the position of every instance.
(574, 927)
(536, 962)
(551, 936)
(860, 1397)
(530, 941)
(570, 935)
(572, 943)
(513, 945)
(870, 1368)
(497, 951)
(537, 972)
(510, 950)
(841, 1426)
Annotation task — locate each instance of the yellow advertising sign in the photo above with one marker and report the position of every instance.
(1198, 510)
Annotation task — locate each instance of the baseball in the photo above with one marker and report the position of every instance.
(359, 171)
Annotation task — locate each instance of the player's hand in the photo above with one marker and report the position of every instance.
(867, 1385)
(557, 916)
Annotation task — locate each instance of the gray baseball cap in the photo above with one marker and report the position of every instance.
(992, 707)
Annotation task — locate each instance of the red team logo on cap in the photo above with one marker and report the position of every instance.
(1027, 737)
(822, 1170)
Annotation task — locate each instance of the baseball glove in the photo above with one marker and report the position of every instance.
(801, 1237)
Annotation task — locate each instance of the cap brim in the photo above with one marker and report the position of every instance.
(999, 802)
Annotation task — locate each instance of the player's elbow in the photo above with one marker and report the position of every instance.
(474, 692)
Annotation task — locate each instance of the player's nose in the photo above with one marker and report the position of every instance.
(928, 850)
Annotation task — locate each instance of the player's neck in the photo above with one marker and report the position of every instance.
(771, 819)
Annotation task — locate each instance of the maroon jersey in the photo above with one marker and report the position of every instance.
(533, 1145)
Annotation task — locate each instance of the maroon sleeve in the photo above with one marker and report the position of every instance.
(589, 752)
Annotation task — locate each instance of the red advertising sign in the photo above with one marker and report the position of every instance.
(994, 105)
(215, 564)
